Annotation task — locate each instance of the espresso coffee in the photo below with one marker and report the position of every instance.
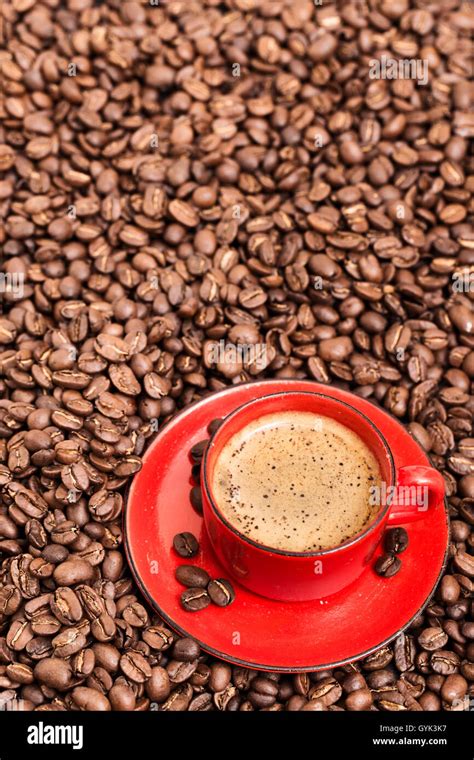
(296, 481)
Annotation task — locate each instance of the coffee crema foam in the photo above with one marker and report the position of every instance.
(296, 481)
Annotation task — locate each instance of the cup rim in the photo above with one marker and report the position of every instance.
(286, 553)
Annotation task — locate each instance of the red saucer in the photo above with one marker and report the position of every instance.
(254, 631)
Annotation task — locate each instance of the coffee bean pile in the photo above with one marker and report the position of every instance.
(180, 175)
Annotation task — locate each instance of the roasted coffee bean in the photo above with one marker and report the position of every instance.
(387, 565)
(432, 639)
(73, 571)
(54, 672)
(395, 540)
(135, 666)
(121, 697)
(221, 592)
(412, 684)
(214, 425)
(19, 634)
(196, 472)
(404, 651)
(85, 698)
(158, 685)
(444, 662)
(197, 451)
(223, 699)
(200, 677)
(158, 637)
(106, 656)
(180, 671)
(454, 688)
(220, 676)
(354, 682)
(179, 699)
(68, 642)
(327, 691)
(449, 589)
(201, 703)
(66, 606)
(378, 660)
(189, 575)
(20, 673)
(359, 699)
(83, 663)
(186, 545)
(186, 650)
(195, 599)
(195, 498)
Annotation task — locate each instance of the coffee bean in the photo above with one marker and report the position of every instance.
(179, 699)
(192, 576)
(85, 698)
(449, 589)
(186, 545)
(180, 671)
(68, 642)
(221, 592)
(195, 498)
(360, 699)
(194, 599)
(158, 637)
(432, 639)
(404, 651)
(201, 703)
(135, 667)
(454, 688)
(412, 684)
(122, 698)
(214, 425)
(158, 685)
(395, 540)
(73, 571)
(197, 451)
(219, 677)
(327, 691)
(54, 672)
(387, 565)
(186, 650)
(378, 660)
(106, 656)
(444, 662)
(353, 682)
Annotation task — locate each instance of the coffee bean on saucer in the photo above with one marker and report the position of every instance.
(214, 425)
(196, 472)
(195, 599)
(186, 545)
(221, 592)
(197, 451)
(194, 577)
(396, 540)
(195, 497)
(387, 565)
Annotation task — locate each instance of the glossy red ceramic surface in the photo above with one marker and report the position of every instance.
(255, 631)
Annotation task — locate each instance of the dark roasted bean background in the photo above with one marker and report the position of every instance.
(178, 174)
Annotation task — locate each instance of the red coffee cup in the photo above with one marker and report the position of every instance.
(405, 495)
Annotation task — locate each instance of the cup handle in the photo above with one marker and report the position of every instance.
(418, 489)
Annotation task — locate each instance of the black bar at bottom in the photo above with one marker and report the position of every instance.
(139, 735)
